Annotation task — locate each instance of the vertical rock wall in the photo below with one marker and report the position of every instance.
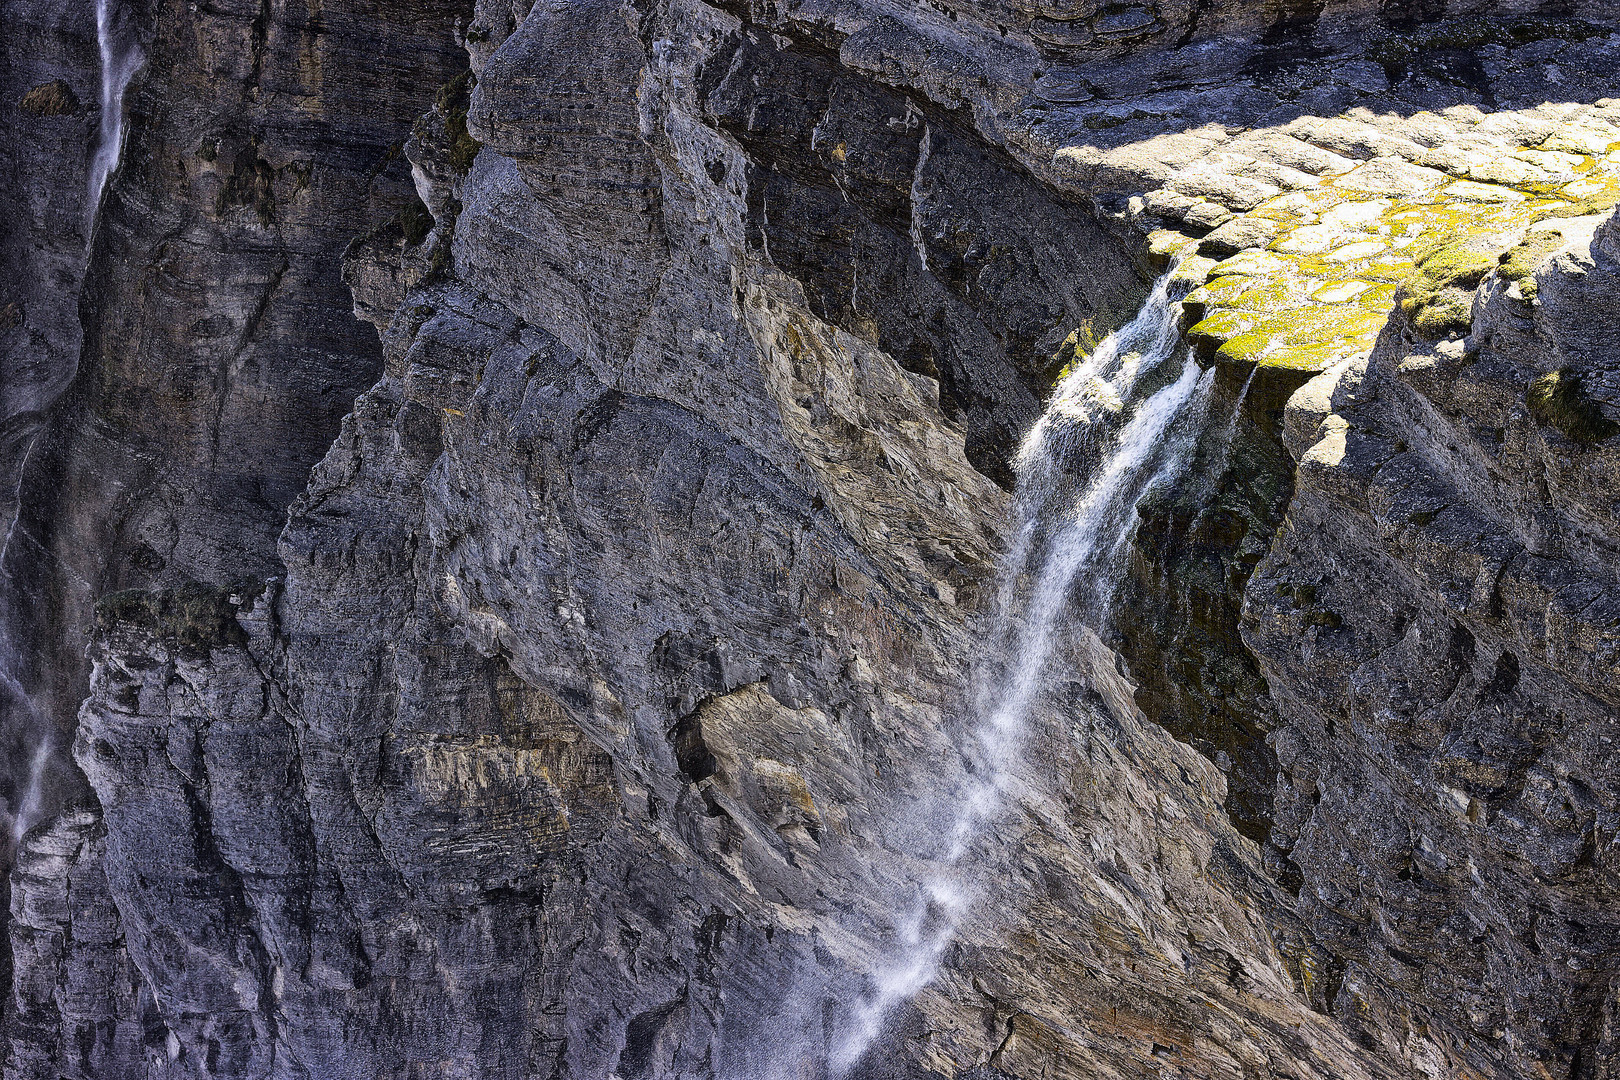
(602, 693)
(219, 349)
(1447, 787)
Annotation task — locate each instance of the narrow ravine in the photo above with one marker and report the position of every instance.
(1083, 469)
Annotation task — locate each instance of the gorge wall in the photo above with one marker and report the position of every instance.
(508, 502)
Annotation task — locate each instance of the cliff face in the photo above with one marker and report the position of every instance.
(605, 692)
(218, 350)
(1447, 787)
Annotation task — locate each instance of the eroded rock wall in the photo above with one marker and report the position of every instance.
(1437, 620)
(604, 690)
(219, 350)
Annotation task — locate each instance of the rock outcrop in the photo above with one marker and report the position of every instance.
(1438, 621)
(210, 353)
(511, 558)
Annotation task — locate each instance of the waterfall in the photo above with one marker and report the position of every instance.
(30, 800)
(120, 59)
(1082, 472)
(28, 806)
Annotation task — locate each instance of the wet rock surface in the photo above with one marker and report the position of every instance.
(511, 559)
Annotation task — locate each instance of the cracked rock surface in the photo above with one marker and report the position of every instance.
(513, 497)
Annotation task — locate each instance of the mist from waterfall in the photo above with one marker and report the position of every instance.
(32, 800)
(1083, 470)
(21, 814)
(120, 59)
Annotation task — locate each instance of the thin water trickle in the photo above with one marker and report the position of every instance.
(1083, 470)
(1223, 456)
(120, 59)
(28, 807)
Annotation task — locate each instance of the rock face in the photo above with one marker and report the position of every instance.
(1438, 619)
(512, 556)
(218, 348)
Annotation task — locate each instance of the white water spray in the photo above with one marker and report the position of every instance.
(31, 799)
(33, 796)
(120, 59)
(1078, 491)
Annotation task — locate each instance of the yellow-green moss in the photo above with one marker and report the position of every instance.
(1219, 292)
(1454, 264)
(1308, 357)
(1210, 333)
(1439, 299)
(1379, 299)
(1244, 349)
(1253, 263)
(1437, 313)
(1167, 243)
(1339, 292)
(1077, 346)
(1558, 400)
(1319, 323)
(1600, 204)
(55, 98)
(1326, 285)
(1516, 265)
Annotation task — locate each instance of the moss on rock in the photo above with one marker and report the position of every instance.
(1438, 300)
(1559, 401)
(1455, 265)
(55, 98)
(1345, 254)
(1517, 265)
(192, 618)
(451, 103)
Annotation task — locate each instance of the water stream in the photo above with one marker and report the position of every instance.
(1083, 470)
(120, 59)
(20, 815)
(17, 706)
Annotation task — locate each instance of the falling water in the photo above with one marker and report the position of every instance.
(1082, 472)
(28, 807)
(120, 59)
(31, 799)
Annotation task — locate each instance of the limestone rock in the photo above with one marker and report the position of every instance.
(512, 503)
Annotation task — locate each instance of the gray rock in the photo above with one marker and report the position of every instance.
(1236, 235)
(604, 693)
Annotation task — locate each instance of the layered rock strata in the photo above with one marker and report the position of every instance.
(1438, 622)
(218, 346)
(583, 719)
